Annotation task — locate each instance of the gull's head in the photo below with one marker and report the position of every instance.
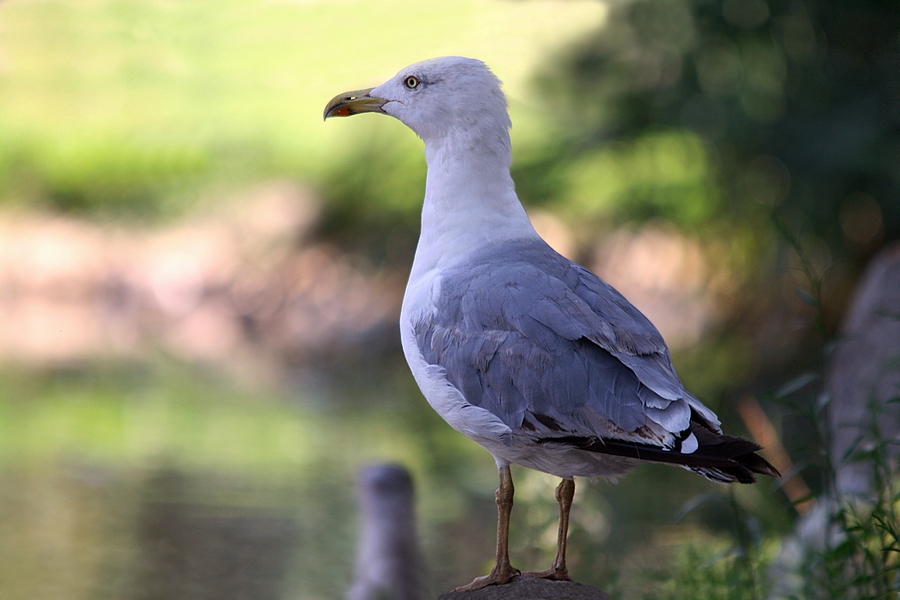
(438, 98)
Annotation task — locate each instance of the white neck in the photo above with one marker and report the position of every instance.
(470, 200)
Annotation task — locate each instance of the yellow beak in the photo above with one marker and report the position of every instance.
(353, 103)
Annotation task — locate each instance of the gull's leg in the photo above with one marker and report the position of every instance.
(502, 571)
(565, 492)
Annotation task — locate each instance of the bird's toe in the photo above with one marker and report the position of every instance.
(497, 576)
(553, 573)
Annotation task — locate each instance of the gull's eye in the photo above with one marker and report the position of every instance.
(411, 82)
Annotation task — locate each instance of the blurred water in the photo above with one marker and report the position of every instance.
(166, 483)
(81, 529)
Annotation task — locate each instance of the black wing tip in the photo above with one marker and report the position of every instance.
(732, 459)
(757, 464)
(743, 470)
(723, 459)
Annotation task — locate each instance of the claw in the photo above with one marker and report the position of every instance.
(553, 574)
(497, 576)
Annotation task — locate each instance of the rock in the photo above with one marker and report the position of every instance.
(864, 379)
(530, 588)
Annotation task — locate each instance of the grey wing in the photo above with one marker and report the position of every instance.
(545, 345)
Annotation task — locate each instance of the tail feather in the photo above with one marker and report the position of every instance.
(719, 457)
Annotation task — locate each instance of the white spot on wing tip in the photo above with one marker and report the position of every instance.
(689, 444)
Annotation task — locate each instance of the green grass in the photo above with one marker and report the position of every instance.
(860, 556)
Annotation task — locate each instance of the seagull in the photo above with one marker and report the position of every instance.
(530, 355)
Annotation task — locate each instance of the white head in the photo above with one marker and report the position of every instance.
(450, 99)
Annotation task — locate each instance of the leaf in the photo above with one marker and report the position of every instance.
(694, 502)
(796, 383)
(806, 498)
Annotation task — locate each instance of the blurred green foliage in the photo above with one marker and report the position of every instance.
(692, 111)
(133, 107)
(783, 110)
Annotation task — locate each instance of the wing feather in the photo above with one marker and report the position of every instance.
(541, 342)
